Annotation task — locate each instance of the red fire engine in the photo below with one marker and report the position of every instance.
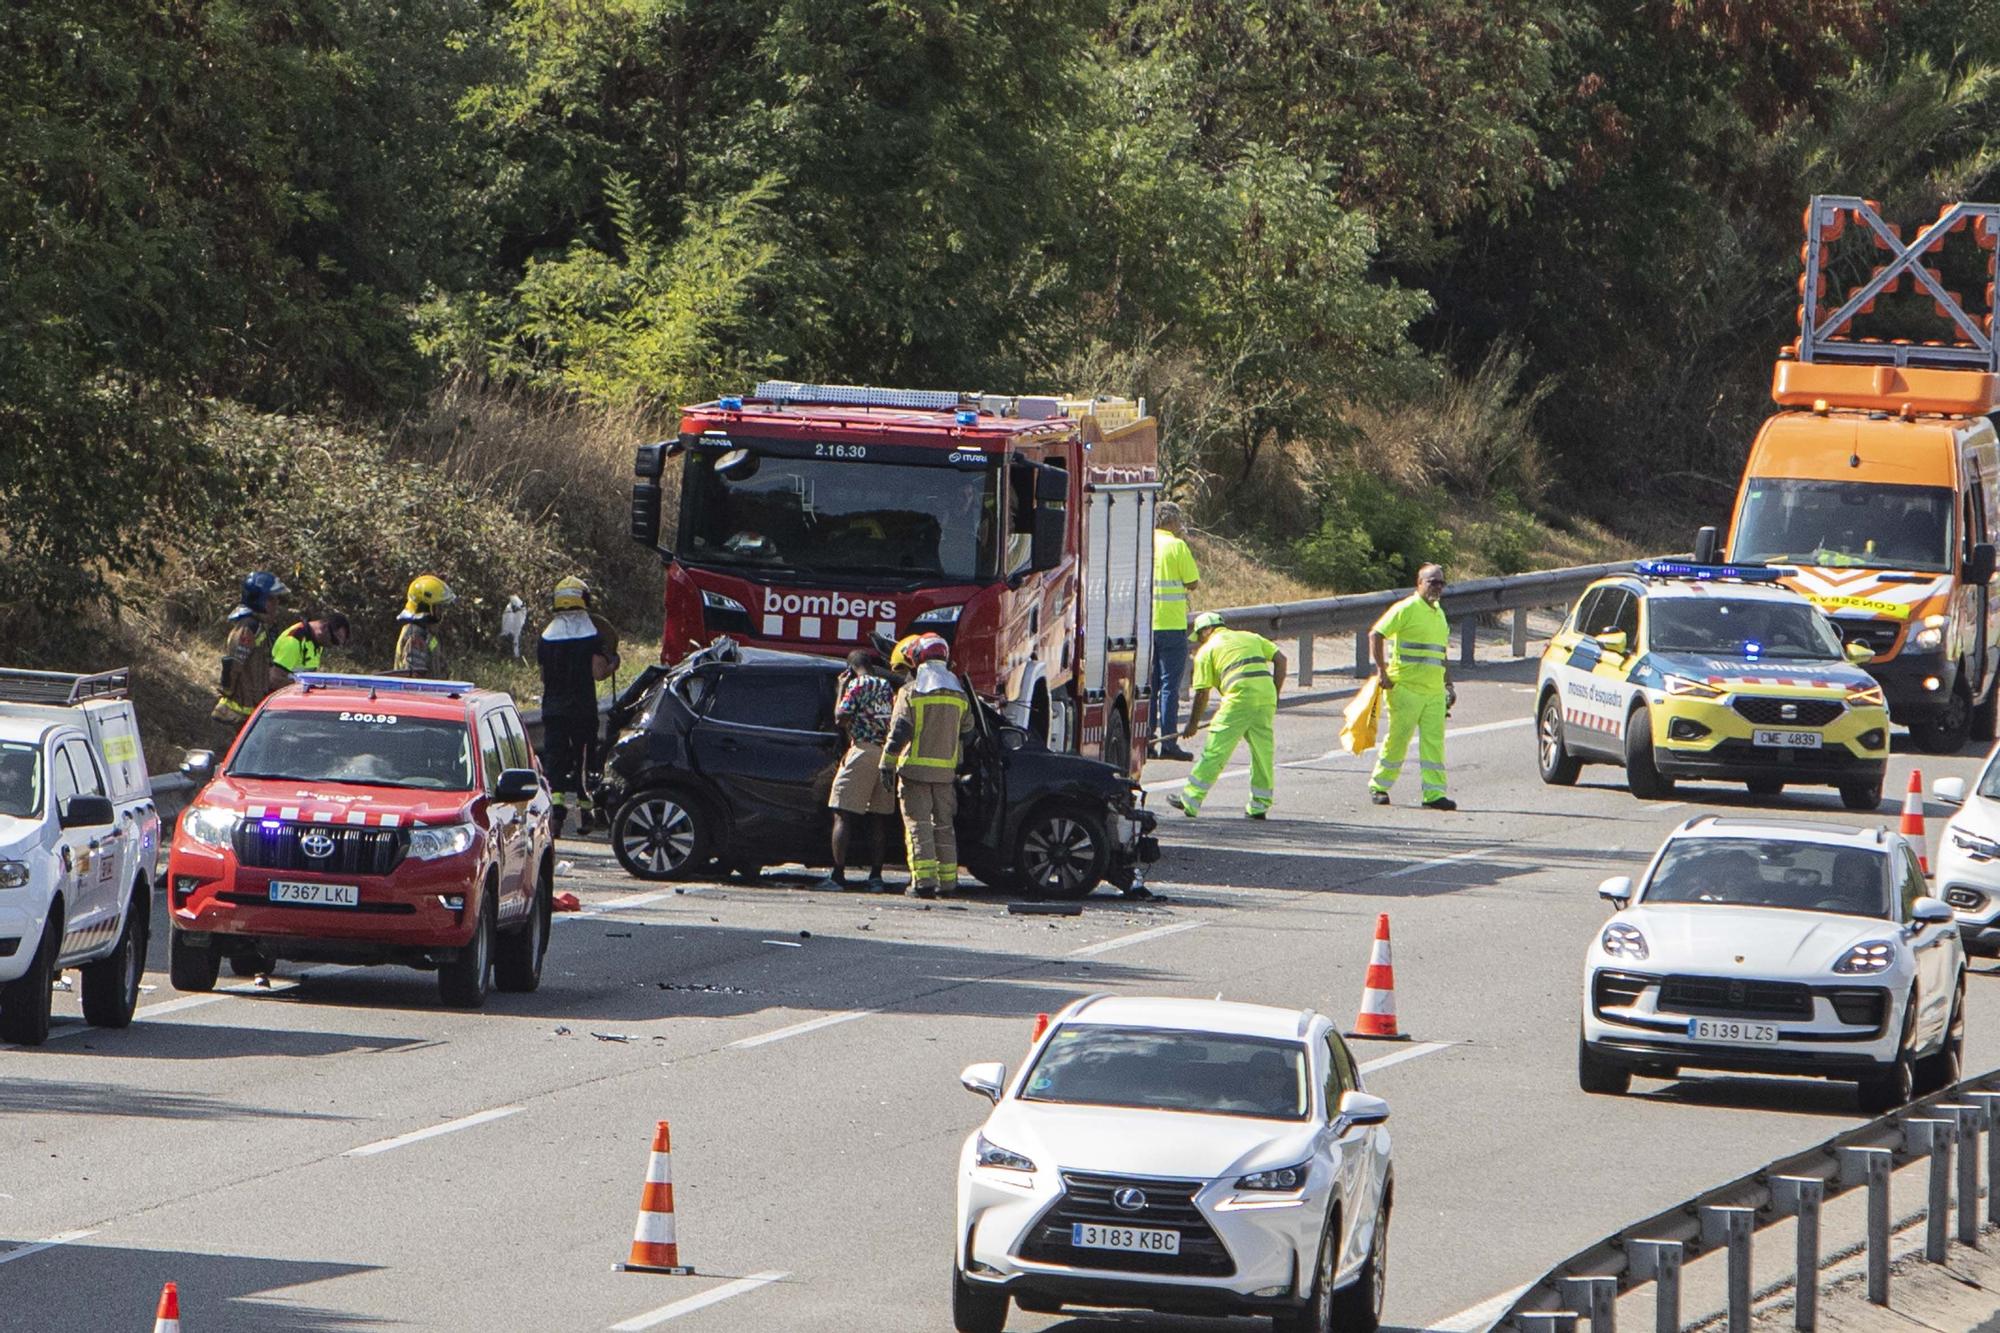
(821, 518)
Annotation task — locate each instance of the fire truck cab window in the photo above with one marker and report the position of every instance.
(839, 515)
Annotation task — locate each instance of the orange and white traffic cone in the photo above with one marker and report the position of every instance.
(1041, 1026)
(1913, 819)
(168, 1320)
(654, 1249)
(1377, 1019)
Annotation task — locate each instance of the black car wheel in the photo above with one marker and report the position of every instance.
(191, 969)
(976, 1309)
(1896, 1085)
(111, 984)
(1642, 776)
(1946, 731)
(462, 982)
(1861, 795)
(1061, 852)
(24, 1001)
(1559, 767)
(662, 834)
(1118, 743)
(517, 955)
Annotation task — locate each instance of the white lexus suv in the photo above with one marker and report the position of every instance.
(1776, 947)
(1185, 1156)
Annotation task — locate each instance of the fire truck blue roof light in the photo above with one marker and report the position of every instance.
(1686, 569)
(332, 680)
(968, 418)
(731, 404)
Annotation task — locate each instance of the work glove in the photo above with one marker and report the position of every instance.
(1450, 697)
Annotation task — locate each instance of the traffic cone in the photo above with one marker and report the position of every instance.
(168, 1320)
(1377, 1019)
(1913, 819)
(1041, 1026)
(654, 1249)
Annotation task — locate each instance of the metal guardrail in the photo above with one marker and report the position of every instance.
(1587, 1284)
(1464, 605)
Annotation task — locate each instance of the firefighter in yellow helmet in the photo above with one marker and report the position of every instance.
(927, 730)
(419, 649)
(1249, 671)
(573, 658)
(902, 657)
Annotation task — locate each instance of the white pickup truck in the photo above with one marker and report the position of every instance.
(80, 848)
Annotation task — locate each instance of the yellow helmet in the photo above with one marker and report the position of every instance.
(903, 656)
(427, 596)
(572, 594)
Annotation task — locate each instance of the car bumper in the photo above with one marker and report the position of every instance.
(1701, 738)
(1643, 1032)
(407, 914)
(1265, 1249)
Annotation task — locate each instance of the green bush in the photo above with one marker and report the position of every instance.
(1370, 535)
(1505, 544)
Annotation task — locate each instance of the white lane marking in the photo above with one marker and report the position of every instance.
(1138, 937)
(36, 1247)
(620, 904)
(1434, 863)
(1478, 728)
(800, 1029)
(1407, 1053)
(196, 1001)
(637, 1323)
(448, 1127)
(1480, 1317)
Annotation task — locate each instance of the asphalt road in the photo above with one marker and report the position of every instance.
(251, 1146)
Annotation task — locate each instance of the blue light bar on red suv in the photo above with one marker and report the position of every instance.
(1687, 569)
(333, 680)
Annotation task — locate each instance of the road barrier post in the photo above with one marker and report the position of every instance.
(1468, 638)
(1802, 1197)
(1991, 1101)
(1596, 1298)
(1971, 1119)
(1871, 1165)
(1660, 1260)
(1306, 658)
(1363, 668)
(1520, 644)
(1729, 1225)
(1934, 1137)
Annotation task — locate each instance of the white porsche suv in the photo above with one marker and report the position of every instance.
(1776, 947)
(1185, 1156)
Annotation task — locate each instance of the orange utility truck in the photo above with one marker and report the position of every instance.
(1876, 481)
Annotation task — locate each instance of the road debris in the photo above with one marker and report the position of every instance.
(567, 902)
(786, 944)
(1045, 909)
(614, 1036)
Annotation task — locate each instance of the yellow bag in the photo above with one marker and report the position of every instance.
(1357, 731)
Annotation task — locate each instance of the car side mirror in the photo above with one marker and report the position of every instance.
(1949, 790)
(87, 812)
(1046, 550)
(1617, 891)
(1979, 567)
(198, 766)
(1706, 545)
(1051, 485)
(1616, 641)
(985, 1079)
(1859, 653)
(1360, 1108)
(1930, 911)
(517, 785)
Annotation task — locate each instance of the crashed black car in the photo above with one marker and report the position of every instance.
(725, 761)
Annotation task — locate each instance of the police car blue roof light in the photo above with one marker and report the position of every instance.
(335, 680)
(1687, 569)
(968, 417)
(730, 404)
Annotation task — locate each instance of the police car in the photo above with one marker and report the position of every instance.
(1680, 670)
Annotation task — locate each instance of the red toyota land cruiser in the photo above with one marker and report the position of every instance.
(368, 819)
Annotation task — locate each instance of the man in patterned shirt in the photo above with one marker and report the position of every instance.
(860, 796)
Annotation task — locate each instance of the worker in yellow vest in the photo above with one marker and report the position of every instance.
(1175, 575)
(1409, 644)
(1249, 671)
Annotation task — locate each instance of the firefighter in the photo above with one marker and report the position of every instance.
(303, 646)
(419, 649)
(927, 730)
(573, 658)
(1175, 575)
(1249, 671)
(246, 652)
(1417, 687)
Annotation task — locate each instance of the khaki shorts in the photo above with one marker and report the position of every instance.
(858, 788)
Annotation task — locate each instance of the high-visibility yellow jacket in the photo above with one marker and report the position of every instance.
(1173, 569)
(1238, 663)
(928, 726)
(1418, 636)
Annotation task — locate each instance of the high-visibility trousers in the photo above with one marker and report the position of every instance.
(928, 840)
(1422, 713)
(1247, 719)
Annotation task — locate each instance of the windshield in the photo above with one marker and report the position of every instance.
(371, 749)
(838, 516)
(1794, 631)
(1172, 1071)
(1750, 872)
(20, 779)
(1841, 523)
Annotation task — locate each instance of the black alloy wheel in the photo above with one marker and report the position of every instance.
(1062, 852)
(662, 834)
(462, 982)
(24, 1001)
(111, 984)
(1559, 767)
(1947, 730)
